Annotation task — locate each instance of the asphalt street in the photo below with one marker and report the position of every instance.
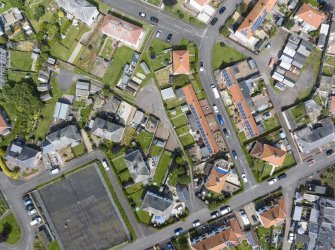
(205, 38)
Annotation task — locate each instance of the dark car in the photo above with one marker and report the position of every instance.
(154, 19)
(221, 121)
(169, 37)
(214, 21)
(234, 153)
(222, 10)
(281, 176)
(226, 133)
(329, 152)
(178, 231)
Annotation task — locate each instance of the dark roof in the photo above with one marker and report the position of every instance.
(137, 166)
(21, 154)
(157, 205)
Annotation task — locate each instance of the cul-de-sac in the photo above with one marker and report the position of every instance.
(167, 124)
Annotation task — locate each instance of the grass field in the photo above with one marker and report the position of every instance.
(122, 56)
(223, 56)
(54, 245)
(271, 123)
(186, 139)
(10, 228)
(157, 47)
(162, 167)
(143, 216)
(20, 60)
(144, 139)
(119, 164)
(79, 150)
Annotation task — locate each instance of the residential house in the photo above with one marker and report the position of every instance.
(106, 130)
(62, 111)
(201, 122)
(203, 8)
(309, 18)
(167, 93)
(68, 136)
(311, 138)
(10, 17)
(270, 154)
(225, 237)
(138, 117)
(80, 9)
(253, 21)
(274, 215)
(157, 206)
(137, 166)
(5, 125)
(20, 155)
(82, 88)
(181, 62)
(129, 34)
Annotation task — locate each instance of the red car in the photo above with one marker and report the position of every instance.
(310, 161)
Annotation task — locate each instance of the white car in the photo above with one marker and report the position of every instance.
(216, 110)
(105, 165)
(225, 210)
(290, 237)
(54, 171)
(196, 223)
(244, 178)
(215, 214)
(158, 33)
(201, 67)
(32, 211)
(272, 181)
(141, 14)
(37, 220)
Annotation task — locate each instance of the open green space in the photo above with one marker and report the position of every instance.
(156, 151)
(54, 245)
(143, 216)
(270, 123)
(162, 168)
(173, 103)
(144, 139)
(136, 198)
(299, 114)
(186, 139)
(223, 56)
(134, 188)
(179, 121)
(20, 60)
(330, 60)
(289, 160)
(79, 150)
(9, 229)
(125, 176)
(261, 169)
(263, 234)
(122, 56)
(183, 130)
(154, 2)
(241, 137)
(119, 164)
(177, 11)
(328, 70)
(107, 50)
(157, 54)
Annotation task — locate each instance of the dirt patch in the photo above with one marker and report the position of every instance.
(66, 154)
(25, 46)
(163, 76)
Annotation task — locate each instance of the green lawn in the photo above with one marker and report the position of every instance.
(156, 151)
(223, 56)
(242, 137)
(328, 70)
(179, 121)
(157, 47)
(143, 216)
(134, 188)
(122, 56)
(299, 114)
(9, 227)
(270, 123)
(58, 50)
(20, 60)
(183, 130)
(54, 245)
(125, 176)
(330, 60)
(186, 139)
(162, 168)
(107, 50)
(74, 34)
(173, 103)
(79, 150)
(262, 234)
(260, 169)
(154, 2)
(289, 160)
(136, 198)
(144, 139)
(119, 164)
(177, 11)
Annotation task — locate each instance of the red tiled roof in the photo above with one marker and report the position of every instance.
(268, 153)
(332, 105)
(3, 123)
(275, 216)
(311, 15)
(192, 100)
(255, 13)
(181, 62)
(121, 30)
(216, 181)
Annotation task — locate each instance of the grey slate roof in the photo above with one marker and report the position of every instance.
(157, 205)
(19, 154)
(309, 139)
(137, 166)
(62, 138)
(107, 130)
(81, 9)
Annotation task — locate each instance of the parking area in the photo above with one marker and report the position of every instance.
(83, 213)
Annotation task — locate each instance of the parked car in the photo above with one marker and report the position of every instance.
(169, 37)
(220, 119)
(36, 220)
(222, 10)
(244, 178)
(244, 217)
(311, 161)
(226, 132)
(272, 181)
(54, 171)
(31, 210)
(272, 62)
(234, 153)
(329, 152)
(281, 176)
(105, 164)
(290, 237)
(216, 110)
(201, 66)
(196, 223)
(214, 21)
(215, 214)
(141, 14)
(169, 246)
(154, 19)
(28, 202)
(158, 33)
(178, 231)
(225, 210)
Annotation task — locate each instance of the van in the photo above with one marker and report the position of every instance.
(225, 210)
(54, 171)
(35, 221)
